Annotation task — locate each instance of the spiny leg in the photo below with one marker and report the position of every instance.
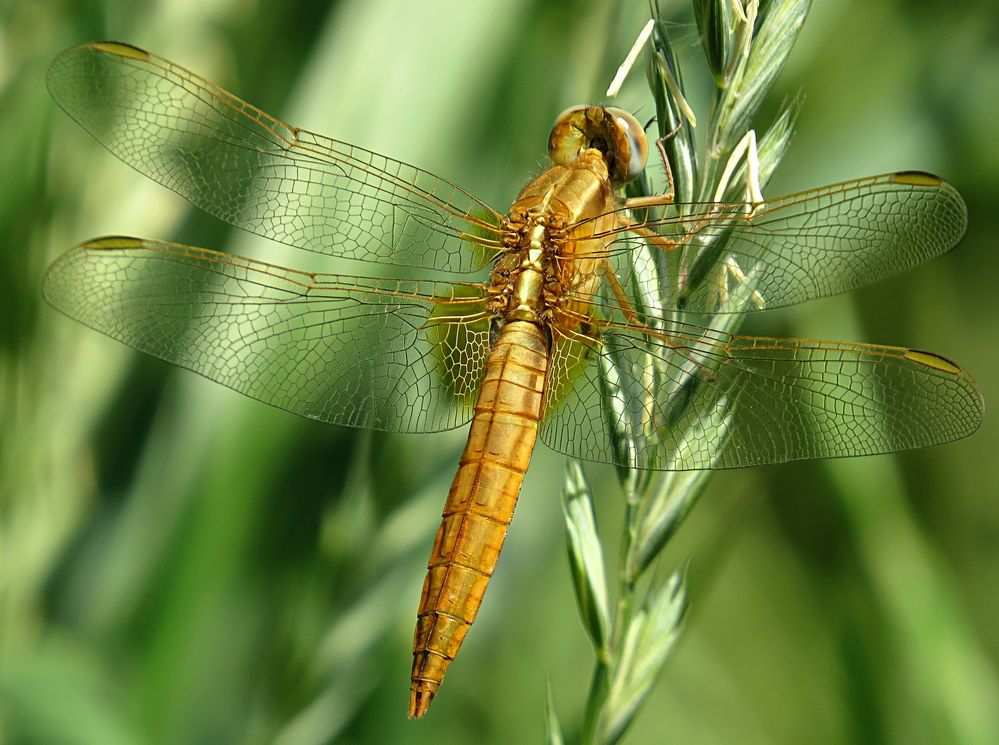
(668, 197)
(632, 317)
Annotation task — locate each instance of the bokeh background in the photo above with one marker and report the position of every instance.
(181, 565)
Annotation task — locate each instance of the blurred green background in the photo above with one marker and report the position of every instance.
(181, 565)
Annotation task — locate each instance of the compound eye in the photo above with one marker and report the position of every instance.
(637, 141)
(614, 132)
(569, 135)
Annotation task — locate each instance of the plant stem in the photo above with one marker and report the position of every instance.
(744, 53)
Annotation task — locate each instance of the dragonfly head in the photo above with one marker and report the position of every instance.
(614, 132)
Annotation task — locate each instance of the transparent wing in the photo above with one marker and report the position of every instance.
(690, 398)
(258, 173)
(396, 355)
(795, 248)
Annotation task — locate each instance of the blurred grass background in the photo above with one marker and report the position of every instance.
(181, 565)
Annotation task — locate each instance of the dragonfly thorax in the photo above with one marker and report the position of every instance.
(521, 275)
(548, 240)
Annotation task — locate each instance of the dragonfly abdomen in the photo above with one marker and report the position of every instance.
(480, 504)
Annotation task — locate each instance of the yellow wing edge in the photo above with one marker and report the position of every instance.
(916, 178)
(935, 361)
(112, 242)
(120, 49)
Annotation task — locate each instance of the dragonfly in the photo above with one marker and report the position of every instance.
(565, 318)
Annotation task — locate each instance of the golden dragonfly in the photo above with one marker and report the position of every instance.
(582, 316)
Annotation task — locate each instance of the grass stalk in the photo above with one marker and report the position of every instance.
(744, 49)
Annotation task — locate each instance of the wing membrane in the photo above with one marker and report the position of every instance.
(408, 355)
(796, 248)
(693, 398)
(258, 173)
(396, 355)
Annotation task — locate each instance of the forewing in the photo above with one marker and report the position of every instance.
(258, 173)
(399, 355)
(691, 398)
(795, 248)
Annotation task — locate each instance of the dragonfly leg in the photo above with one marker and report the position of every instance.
(631, 315)
(661, 147)
(729, 268)
(651, 236)
(668, 197)
(622, 299)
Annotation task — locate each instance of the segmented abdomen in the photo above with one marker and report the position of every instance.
(480, 504)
